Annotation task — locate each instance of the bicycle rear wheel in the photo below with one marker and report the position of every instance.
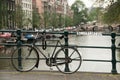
(25, 58)
(68, 60)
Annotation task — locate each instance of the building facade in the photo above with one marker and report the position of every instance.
(10, 14)
(19, 13)
(7, 10)
(53, 8)
(27, 13)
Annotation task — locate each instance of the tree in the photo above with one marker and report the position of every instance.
(53, 19)
(26, 22)
(112, 12)
(36, 18)
(80, 12)
(68, 21)
(95, 14)
(19, 17)
(3, 14)
(112, 15)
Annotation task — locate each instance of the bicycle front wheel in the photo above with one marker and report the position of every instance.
(24, 58)
(68, 60)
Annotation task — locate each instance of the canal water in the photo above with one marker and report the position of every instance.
(83, 39)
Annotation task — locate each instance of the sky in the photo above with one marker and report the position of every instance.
(88, 3)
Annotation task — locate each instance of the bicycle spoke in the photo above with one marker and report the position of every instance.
(69, 64)
(69, 53)
(24, 59)
(72, 53)
(77, 58)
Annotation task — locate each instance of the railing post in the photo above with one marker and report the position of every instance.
(19, 43)
(113, 49)
(66, 50)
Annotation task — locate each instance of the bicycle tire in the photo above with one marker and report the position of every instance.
(25, 58)
(74, 57)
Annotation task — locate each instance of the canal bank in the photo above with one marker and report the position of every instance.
(44, 75)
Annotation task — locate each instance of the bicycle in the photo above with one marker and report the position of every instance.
(67, 59)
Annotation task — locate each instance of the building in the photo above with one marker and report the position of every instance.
(57, 8)
(39, 6)
(15, 14)
(7, 10)
(18, 13)
(27, 13)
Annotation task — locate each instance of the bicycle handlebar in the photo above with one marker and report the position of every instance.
(43, 37)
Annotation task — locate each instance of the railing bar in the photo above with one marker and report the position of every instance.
(5, 57)
(83, 59)
(99, 47)
(24, 31)
(8, 30)
(59, 46)
(118, 61)
(45, 59)
(47, 32)
(97, 60)
(93, 47)
(16, 58)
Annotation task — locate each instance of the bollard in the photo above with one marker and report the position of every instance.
(113, 49)
(66, 50)
(19, 43)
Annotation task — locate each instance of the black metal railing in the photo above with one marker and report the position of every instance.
(66, 34)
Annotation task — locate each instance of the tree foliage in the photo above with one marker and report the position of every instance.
(19, 16)
(80, 12)
(68, 21)
(3, 12)
(112, 12)
(112, 15)
(36, 18)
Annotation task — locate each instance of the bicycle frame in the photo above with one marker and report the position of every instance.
(44, 44)
(43, 39)
(53, 53)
